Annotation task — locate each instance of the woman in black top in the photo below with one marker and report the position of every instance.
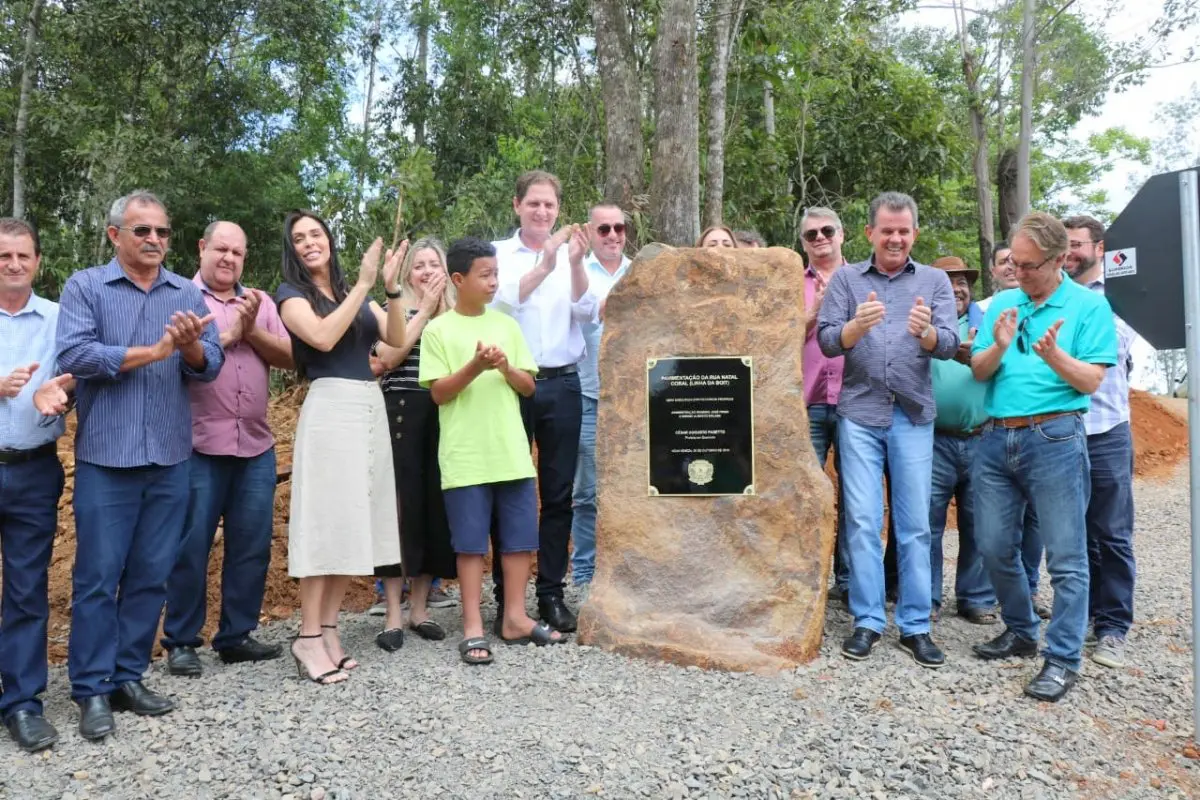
(343, 508)
(425, 292)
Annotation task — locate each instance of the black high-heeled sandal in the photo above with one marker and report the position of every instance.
(324, 678)
(348, 662)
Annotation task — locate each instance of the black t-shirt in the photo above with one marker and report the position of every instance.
(349, 358)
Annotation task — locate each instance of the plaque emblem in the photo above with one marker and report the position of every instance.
(700, 472)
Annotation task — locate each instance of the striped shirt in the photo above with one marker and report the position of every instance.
(404, 377)
(141, 417)
(1110, 403)
(888, 365)
(27, 337)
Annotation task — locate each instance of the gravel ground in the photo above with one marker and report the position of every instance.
(573, 721)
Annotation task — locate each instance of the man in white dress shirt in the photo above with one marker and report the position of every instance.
(544, 286)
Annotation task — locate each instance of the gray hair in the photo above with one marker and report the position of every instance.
(1045, 231)
(138, 197)
(212, 228)
(821, 212)
(613, 206)
(892, 201)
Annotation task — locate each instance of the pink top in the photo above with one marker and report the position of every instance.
(229, 415)
(822, 375)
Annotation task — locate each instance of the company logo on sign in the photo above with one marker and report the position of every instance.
(1120, 263)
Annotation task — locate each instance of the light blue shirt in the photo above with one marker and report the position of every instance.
(27, 337)
(142, 417)
(1024, 384)
(1110, 403)
(600, 283)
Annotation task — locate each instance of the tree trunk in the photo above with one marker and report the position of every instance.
(28, 67)
(424, 25)
(1006, 184)
(983, 179)
(1024, 142)
(675, 188)
(373, 37)
(714, 174)
(768, 109)
(624, 148)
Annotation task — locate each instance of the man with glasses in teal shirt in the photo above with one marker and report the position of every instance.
(1043, 350)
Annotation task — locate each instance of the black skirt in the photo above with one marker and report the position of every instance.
(424, 532)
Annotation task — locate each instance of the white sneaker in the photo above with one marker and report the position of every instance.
(1110, 652)
(378, 610)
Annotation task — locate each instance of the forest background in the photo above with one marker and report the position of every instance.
(685, 112)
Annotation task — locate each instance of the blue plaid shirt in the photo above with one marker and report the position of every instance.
(1110, 403)
(27, 337)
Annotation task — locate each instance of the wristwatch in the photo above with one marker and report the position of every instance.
(392, 295)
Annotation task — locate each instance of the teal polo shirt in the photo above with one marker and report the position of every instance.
(1024, 384)
(958, 396)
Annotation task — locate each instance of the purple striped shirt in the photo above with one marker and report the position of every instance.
(141, 417)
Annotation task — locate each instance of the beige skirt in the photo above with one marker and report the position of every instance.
(343, 512)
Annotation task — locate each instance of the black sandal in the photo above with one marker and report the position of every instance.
(348, 662)
(323, 678)
(428, 630)
(475, 643)
(541, 635)
(390, 640)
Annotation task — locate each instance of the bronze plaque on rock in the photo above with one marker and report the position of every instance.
(700, 418)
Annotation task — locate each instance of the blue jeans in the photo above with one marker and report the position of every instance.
(583, 526)
(908, 451)
(242, 492)
(1031, 549)
(128, 526)
(1110, 531)
(1044, 466)
(952, 466)
(29, 495)
(822, 429)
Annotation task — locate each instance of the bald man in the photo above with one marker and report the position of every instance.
(232, 466)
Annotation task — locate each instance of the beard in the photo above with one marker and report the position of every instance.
(1084, 265)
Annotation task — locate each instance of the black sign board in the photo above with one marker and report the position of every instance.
(700, 414)
(1143, 263)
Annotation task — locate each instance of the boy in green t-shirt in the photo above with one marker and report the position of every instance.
(474, 361)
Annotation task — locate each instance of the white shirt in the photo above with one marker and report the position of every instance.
(984, 303)
(548, 318)
(600, 283)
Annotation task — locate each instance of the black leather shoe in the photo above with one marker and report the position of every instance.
(135, 697)
(249, 649)
(30, 730)
(95, 717)
(184, 660)
(1051, 683)
(554, 612)
(1006, 645)
(858, 644)
(923, 650)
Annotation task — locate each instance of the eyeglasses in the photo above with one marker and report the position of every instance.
(825, 230)
(1027, 267)
(1075, 244)
(142, 231)
(605, 229)
(1023, 343)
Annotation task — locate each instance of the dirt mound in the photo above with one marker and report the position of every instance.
(1160, 436)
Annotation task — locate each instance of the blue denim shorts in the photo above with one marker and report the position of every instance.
(469, 510)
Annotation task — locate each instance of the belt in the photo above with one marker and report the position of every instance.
(1029, 422)
(545, 373)
(9, 457)
(971, 434)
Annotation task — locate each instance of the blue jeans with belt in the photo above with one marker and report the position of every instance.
(128, 526)
(240, 491)
(1044, 466)
(29, 495)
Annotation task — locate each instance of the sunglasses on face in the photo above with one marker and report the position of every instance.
(142, 231)
(605, 229)
(825, 230)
